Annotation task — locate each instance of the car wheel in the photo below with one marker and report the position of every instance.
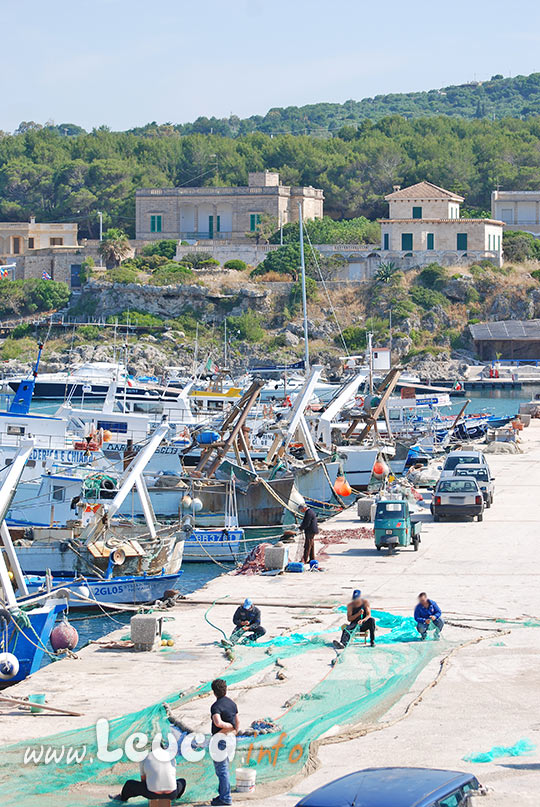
(480, 517)
(436, 517)
(488, 503)
(378, 549)
(415, 544)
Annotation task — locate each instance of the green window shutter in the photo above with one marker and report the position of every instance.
(430, 241)
(406, 241)
(417, 212)
(252, 222)
(210, 226)
(158, 224)
(386, 241)
(218, 223)
(152, 224)
(462, 242)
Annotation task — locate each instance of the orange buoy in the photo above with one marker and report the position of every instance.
(107, 436)
(380, 469)
(342, 487)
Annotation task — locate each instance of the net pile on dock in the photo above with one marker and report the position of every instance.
(360, 687)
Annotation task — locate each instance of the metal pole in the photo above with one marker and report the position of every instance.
(304, 298)
(370, 360)
(225, 347)
(100, 214)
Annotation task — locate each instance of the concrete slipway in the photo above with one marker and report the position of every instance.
(486, 692)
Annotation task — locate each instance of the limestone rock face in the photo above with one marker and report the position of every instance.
(291, 339)
(510, 305)
(458, 289)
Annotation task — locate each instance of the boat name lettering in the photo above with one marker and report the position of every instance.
(61, 454)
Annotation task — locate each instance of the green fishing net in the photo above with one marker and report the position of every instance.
(521, 748)
(358, 686)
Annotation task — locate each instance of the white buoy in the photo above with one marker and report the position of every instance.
(186, 501)
(196, 505)
(9, 666)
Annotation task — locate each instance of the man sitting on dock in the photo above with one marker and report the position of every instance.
(247, 620)
(427, 613)
(359, 619)
(158, 780)
(310, 528)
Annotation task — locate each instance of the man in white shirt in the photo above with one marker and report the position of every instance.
(158, 781)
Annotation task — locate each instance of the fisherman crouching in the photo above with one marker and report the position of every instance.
(247, 622)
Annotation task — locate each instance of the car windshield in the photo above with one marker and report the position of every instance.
(453, 462)
(478, 473)
(389, 510)
(457, 486)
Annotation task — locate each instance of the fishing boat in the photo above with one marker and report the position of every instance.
(88, 592)
(24, 628)
(71, 524)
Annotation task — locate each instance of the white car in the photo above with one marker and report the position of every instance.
(458, 496)
(455, 458)
(482, 474)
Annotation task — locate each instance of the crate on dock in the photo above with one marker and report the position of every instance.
(276, 557)
(146, 632)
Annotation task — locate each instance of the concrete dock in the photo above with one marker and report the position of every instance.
(486, 671)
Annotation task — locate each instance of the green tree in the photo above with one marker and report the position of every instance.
(114, 247)
(246, 326)
(166, 248)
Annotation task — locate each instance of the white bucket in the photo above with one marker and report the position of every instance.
(245, 780)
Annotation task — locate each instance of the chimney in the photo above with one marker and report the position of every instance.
(32, 219)
(396, 188)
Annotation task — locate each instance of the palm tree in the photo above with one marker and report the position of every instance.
(115, 247)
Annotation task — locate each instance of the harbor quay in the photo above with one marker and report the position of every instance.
(402, 702)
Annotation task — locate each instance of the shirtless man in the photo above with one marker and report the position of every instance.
(359, 618)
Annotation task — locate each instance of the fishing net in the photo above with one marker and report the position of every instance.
(335, 693)
(521, 748)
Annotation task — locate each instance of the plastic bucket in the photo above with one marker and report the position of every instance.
(245, 780)
(36, 699)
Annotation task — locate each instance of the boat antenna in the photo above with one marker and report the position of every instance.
(304, 297)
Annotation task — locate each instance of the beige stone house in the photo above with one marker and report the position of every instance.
(21, 237)
(424, 221)
(210, 213)
(520, 210)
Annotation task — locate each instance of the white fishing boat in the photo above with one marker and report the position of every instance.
(96, 592)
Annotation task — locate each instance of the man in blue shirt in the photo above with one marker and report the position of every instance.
(427, 613)
(247, 622)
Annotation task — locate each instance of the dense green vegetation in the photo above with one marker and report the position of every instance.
(329, 231)
(31, 296)
(60, 178)
(500, 97)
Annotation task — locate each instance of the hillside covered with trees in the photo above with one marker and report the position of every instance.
(59, 177)
(498, 98)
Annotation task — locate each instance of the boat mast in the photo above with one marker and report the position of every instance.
(304, 298)
(370, 360)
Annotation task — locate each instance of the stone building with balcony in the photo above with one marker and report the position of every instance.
(210, 213)
(519, 210)
(23, 237)
(424, 225)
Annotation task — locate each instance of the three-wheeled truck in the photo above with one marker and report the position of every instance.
(394, 526)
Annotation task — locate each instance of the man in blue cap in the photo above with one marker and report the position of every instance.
(247, 621)
(358, 618)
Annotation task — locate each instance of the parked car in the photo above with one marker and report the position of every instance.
(455, 458)
(395, 787)
(482, 474)
(458, 496)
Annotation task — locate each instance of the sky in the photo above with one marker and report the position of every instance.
(124, 63)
